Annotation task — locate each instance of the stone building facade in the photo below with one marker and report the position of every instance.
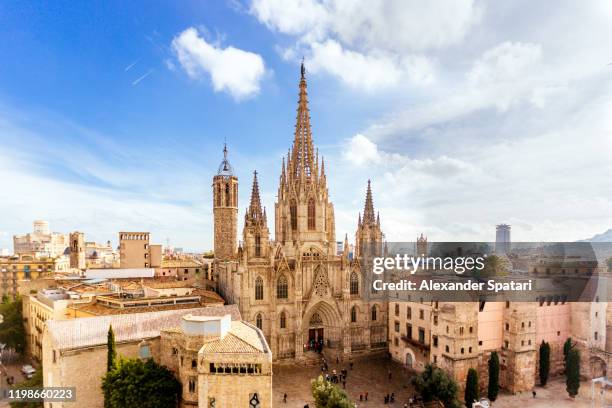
(295, 287)
(219, 360)
(135, 251)
(457, 336)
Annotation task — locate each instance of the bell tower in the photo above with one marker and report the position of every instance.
(225, 209)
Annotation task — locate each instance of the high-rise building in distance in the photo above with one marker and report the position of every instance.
(502, 239)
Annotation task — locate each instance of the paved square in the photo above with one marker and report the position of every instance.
(369, 374)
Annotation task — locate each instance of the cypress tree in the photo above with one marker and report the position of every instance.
(544, 362)
(471, 387)
(572, 371)
(493, 388)
(111, 349)
(567, 346)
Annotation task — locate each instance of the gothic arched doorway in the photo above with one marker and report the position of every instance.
(316, 330)
(322, 323)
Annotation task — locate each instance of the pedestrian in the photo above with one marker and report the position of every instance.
(360, 397)
(285, 398)
(386, 399)
(392, 397)
(389, 371)
(351, 365)
(337, 360)
(534, 393)
(366, 396)
(405, 405)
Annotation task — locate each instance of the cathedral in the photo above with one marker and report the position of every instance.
(296, 286)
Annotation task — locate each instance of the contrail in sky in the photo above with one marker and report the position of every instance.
(131, 65)
(136, 81)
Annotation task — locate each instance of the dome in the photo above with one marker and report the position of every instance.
(225, 168)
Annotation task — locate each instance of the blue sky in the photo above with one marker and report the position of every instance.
(464, 114)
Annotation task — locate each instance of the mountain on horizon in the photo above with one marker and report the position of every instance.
(604, 237)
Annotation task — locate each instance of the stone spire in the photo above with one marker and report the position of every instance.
(369, 217)
(255, 212)
(302, 160)
(369, 237)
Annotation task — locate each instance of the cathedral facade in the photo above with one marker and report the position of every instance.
(296, 286)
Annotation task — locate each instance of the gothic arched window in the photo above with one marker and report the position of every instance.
(293, 214)
(283, 320)
(354, 284)
(282, 288)
(218, 195)
(311, 214)
(257, 245)
(353, 314)
(235, 195)
(259, 288)
(228, 203)
(259, 321)
(374, 313)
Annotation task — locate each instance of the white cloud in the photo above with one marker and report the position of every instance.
(231, 70)
(291, 17)
(360, 150)
(392, 25)
(355, 69)
(369, 45)
(504, 62)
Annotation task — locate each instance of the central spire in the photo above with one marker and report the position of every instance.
(302, 161)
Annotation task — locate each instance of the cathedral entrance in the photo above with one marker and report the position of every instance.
(315, 335)
(322, 327)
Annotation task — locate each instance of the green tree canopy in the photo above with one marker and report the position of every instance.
(544, 362)
(142, 384)
(12, 331)
(435, 384)
(495, 265)
(572, 372)
(471, 387)
(493, 388)
(328, 395)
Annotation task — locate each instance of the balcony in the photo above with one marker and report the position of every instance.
(416, 343)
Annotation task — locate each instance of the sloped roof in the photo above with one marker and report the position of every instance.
(241, 338)
(180, 263)
(120, 273)
(92, 331)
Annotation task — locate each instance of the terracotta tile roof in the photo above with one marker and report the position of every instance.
(92, 331)
(102, 310)
(241, 338)
(181, 263)
(169, 284)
